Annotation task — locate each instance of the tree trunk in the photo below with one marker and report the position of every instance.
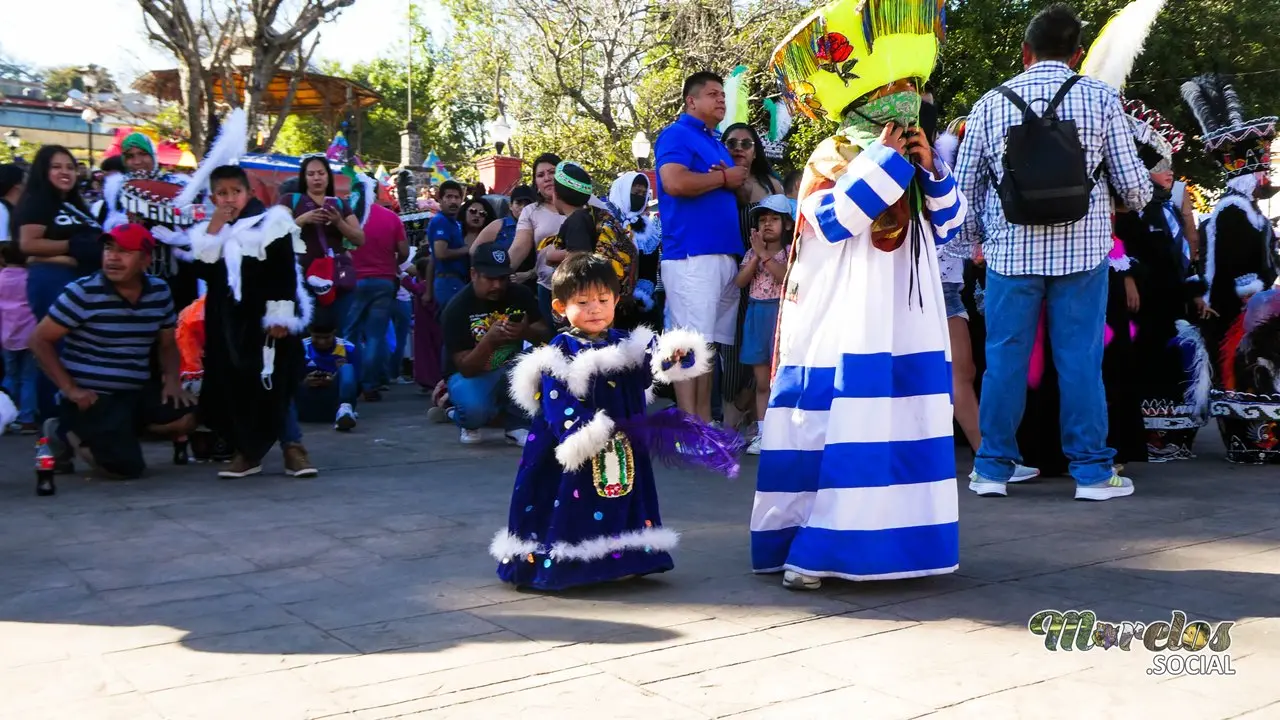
(193, 99)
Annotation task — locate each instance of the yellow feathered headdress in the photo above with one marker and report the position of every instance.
(848, 48)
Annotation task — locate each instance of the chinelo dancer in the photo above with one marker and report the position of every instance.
(585, 505)
(255, 310)
(857, 464)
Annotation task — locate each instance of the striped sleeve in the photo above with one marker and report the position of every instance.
(873, 181)
(169, 318)
(69, 309)
(947, 205)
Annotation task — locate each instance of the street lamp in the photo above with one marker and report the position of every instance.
(89, 116)
(500, 131)
(640, 147)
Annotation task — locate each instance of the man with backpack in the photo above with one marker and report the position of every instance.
(1043, 158)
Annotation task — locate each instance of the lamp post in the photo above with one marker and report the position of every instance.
(89, 116)
(640, 148)
(500, 131)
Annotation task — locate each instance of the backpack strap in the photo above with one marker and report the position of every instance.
(1014, 98)
(1061, 95)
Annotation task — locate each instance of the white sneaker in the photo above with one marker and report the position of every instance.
(985, 487)
(1115, 487)
(517, 437)
(1022, 473)
(754, 447)
(793, 580)
(470, 437)
(346, 419)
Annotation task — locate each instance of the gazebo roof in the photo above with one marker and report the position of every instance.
(317, 94)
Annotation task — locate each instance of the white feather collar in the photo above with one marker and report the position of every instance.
(247, 237)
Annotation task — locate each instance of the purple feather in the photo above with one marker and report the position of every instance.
(679, 439)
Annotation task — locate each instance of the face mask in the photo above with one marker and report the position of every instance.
(864, 124)
(637, 201)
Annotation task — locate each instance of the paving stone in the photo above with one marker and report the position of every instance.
(275, 695)
(409, 632)
(850, 702)
(747, 686)
(32, 687)
(189, 567)
(362, 608)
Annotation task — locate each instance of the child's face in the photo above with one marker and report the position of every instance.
(230, 193)
(323, 342)
(590, 310)
(770, 227)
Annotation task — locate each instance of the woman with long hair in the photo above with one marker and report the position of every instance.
(58, 235)
(747, 151)
(537, 223)
(476, 214)
(329, 228)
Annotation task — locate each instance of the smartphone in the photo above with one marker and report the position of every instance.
(517, 317)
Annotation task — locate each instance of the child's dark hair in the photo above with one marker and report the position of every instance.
(11, 255)
(323, 322)
(230, 172)
(115, 163)
(580, 272)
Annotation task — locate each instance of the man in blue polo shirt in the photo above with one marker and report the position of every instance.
(452, 268)
(701, 237)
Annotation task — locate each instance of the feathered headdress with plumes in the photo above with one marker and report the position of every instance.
(226, 150)
(1120, 42)
(1242, 146)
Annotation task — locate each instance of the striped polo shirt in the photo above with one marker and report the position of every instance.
(109, 343)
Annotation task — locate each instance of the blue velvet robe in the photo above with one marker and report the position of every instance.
(585, 506)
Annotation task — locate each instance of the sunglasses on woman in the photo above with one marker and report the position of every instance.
(742, 144)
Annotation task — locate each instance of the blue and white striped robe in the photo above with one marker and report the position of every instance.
(857, 468)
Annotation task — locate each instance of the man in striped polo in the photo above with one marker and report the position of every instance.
(108, 322)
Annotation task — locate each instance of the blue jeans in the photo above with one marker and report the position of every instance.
(341, 309)
(20, 376)
(478, 400)
(1076, 316)
(291, 433)
(320, 405)
(45, 282)
(444, 288)
(401, 316)
(369, 318)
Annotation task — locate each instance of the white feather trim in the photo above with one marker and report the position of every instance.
(233, 137)
(583, 442)
(281, 313)
(111, 188)
(506, 546)
(1244, 184)
(370, 198)
(8, 411)
(650, 395)
(306, 303)
(586, 365)
(1230, 200)
(947, 147)
(170, 236)
(691, 343)
(1121, 264)
(1246, 287)
(526, 377)
(247, 237)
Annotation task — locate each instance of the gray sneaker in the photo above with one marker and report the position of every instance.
(985, 487)
(1115, 487)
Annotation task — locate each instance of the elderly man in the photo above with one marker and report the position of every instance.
(109, 321)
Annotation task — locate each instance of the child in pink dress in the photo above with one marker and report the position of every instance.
(16, 325)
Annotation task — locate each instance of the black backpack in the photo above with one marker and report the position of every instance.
(1045, 179)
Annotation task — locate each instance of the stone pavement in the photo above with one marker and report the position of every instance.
(369, 593)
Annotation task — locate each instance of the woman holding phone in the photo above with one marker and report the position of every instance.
(329, 228)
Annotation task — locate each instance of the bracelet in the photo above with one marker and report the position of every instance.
(724, 178)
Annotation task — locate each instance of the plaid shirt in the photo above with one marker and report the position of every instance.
(1106, 136)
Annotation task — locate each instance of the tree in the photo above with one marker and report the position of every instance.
(205, 41)
(59, 81)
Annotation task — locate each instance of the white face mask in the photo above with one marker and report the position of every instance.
(268, 362)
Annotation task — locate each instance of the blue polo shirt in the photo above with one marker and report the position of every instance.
(443, 227)
(702, 225)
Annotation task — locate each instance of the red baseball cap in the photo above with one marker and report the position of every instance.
(131, 237)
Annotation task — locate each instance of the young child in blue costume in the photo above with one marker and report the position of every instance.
(585, 508)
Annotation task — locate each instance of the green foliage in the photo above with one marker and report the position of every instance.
(26, 151)
(59, 81)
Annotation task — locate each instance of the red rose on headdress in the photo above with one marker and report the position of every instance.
(834, 47)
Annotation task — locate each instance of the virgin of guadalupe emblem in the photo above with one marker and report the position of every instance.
(613, 468)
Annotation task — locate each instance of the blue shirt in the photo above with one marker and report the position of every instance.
(109, 340)
(342, 353)
(702, 225)
(443, 227)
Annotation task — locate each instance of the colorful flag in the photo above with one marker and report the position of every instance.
(382, 176)
(439, 173)
(337, 149)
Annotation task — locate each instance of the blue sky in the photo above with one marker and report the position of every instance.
(110, 33)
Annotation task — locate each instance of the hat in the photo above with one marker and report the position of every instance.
(573, 184)
(139, 141)
(523, 193)
(848, 48)
(131, 237)
(491, 261)
(775, 204)
(1242, 146)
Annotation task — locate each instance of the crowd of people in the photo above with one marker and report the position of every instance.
(840, 321)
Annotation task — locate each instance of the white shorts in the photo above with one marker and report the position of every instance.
(701, 296)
